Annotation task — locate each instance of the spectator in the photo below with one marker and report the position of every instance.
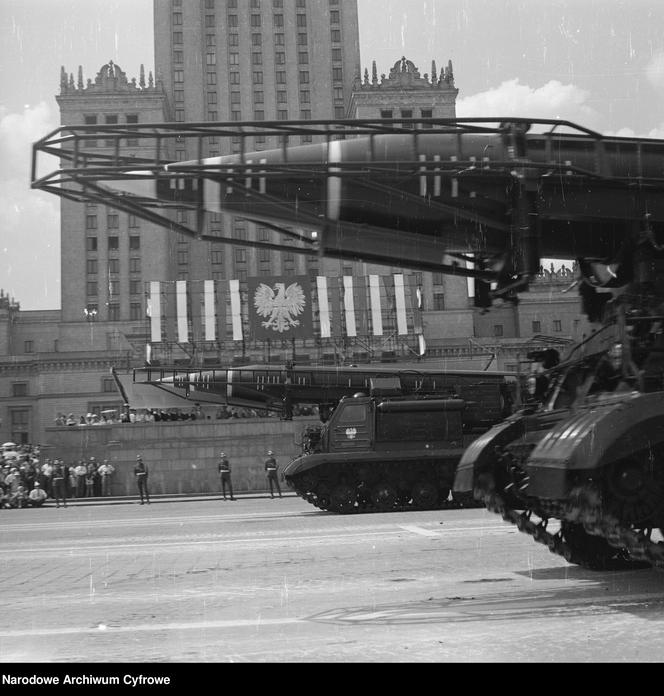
(141, 474)
(90, 480)
(37, 496)
(19, 499)
(81, 471)
(70, 479)
(271, 471)
(47, 476)
(105, 471)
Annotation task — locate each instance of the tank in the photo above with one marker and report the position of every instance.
(580, 468)
(379, 454)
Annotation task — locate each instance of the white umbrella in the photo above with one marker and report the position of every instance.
(9, 444)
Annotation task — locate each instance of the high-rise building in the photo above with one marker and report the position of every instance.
(253, 60)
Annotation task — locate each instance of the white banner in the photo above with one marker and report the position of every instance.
(323, 307)
(208, 311)
(181, 304)
(349, 307)
(154, 305)
(400, 299)
(236, 310)
(374, 295)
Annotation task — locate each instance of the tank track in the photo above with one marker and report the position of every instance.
(364, 504)
(588, 537)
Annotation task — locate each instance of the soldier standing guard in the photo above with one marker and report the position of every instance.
(271, 471)
(141, 474)
(225, 475)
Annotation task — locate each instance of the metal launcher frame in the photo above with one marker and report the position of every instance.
(484, 198)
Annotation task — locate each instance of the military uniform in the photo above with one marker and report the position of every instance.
(271, 471)
(225, 475)
(141, 474)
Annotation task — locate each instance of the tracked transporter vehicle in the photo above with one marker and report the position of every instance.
(385, 452)
(581, 467)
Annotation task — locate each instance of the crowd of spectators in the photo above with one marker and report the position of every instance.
(26, 478)
(152, 415)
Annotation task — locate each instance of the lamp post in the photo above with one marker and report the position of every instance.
(91, 317)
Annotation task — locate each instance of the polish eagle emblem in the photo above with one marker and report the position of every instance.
(279, 305)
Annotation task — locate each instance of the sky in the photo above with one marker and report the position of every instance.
(598, 63)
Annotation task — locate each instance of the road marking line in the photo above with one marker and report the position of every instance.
(196, 625)
(418, 530)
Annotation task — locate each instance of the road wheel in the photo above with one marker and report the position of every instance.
(425, 495)
(590, 551)
(343, 499)
(323, 496)
(384, 496)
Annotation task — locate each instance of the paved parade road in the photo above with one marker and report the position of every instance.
(261, 580)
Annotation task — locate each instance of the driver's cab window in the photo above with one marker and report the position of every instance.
(352, 413)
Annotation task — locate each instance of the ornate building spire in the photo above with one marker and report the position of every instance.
(79, 84)
(141, 79)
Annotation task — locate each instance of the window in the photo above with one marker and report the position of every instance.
(304, 77)
(337, 74)
(134, 265)
(91, 266)
(258, 77)
(20, 389)
(107, 385)
(111, 120)
(303, 58)
(211, 58)
(279, 40)
(179, 115)
(334, 16)
(90, 222)
(234, 59)
(335, 35)
(135, 311)
(210, 40)
(20, 426)
(537, 327)
(302, 39)
(177, 37)
(178, 95)
(234, 78)
(134, 287)
(113, 312)
(255, 20)
(282, 97)
(281, 77)
(498, 330)
(177, 18)
(211, 97)
(113, 243)
(256, 40)
(217, 258)
(133, 222)
(209, 20)
(438, 301)
(339, 111)
(232, 20)
(113, 288)
(211, 80)
(280, 58)
(28, 347)
(91, 243)
(113, 221)
(557, 325)
(386, 113)
(183, 257)
(178, 57)
(240, 255)
(178, 76)
(234, 40)
(258, 97)
(278, 20)
(91, 289)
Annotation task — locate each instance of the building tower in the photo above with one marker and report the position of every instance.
(104, 255)
(253, 60)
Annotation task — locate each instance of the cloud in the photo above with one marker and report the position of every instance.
(511, 98)
(30, 232)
